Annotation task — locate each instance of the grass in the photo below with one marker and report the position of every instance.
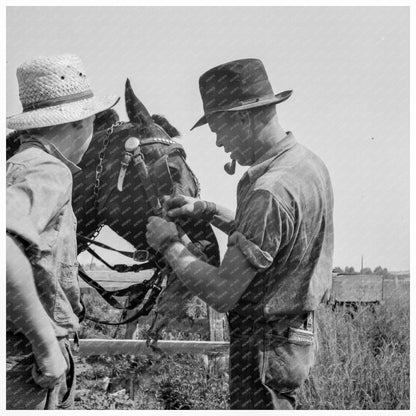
(176, 382)
(362, 363)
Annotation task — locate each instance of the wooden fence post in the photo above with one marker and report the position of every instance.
(216, 363)
(216, 325)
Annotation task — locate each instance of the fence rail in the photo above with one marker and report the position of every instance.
(89, 347)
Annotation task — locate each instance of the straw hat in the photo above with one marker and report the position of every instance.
(237, 85)
(55, 90)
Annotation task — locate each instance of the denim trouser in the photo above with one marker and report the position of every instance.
(21, 390)
(269, 362)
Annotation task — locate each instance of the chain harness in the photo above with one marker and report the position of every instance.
(98, 173)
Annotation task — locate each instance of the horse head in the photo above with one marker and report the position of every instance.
(96, 199)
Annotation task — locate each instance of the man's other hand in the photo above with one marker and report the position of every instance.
(186, 206)
(50, 365)
(160, 232)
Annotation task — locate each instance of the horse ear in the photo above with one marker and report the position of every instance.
(136, 111)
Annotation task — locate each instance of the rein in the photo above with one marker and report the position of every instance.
(141, 256)
(154, 284)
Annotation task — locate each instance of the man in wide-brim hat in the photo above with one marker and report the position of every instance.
(277, 267)
(43, 295)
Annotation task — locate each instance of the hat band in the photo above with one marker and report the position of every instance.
(59, 100)
(240, 103)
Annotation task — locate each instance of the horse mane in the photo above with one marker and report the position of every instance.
(164, 123)
(105, 119)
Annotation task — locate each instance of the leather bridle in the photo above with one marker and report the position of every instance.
(137, 292)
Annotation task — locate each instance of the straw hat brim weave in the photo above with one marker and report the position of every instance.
(60, 114)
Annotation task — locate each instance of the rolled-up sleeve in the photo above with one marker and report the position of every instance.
(264, 226)
(34, 197)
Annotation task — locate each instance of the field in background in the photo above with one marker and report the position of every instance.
(362, 363)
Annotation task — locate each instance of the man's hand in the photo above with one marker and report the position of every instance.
(160, 233)
(28, 315)
(186, 206)
(50, 365)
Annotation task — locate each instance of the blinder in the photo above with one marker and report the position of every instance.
(159, 172)
(161, 176)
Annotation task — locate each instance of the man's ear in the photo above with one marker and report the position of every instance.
(77, 124)
(244, 117)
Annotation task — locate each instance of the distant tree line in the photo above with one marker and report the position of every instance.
(94, 266)
(382, 271)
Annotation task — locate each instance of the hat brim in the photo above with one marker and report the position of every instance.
(60, 114)
(278, 98)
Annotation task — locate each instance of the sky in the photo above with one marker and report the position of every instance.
(348, 68)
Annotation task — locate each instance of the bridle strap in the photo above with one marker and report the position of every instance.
(139, 290)
(152, 194)
(147, 307)
(106, 295)
(131, 254)
(157, 140)
(151, 189)
(124, 268)
(148, 185)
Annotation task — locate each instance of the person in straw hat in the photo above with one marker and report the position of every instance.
(277, 267)
(43, 295)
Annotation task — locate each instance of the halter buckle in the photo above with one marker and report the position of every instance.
(130, 147)
(141, 256)
(131, 144)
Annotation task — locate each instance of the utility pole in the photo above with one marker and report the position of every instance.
(91, 262)
(362, 262)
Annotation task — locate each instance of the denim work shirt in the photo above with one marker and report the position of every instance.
(39, 214)
(284, 228)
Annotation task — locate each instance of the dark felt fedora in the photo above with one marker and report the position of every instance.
(237, 85)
